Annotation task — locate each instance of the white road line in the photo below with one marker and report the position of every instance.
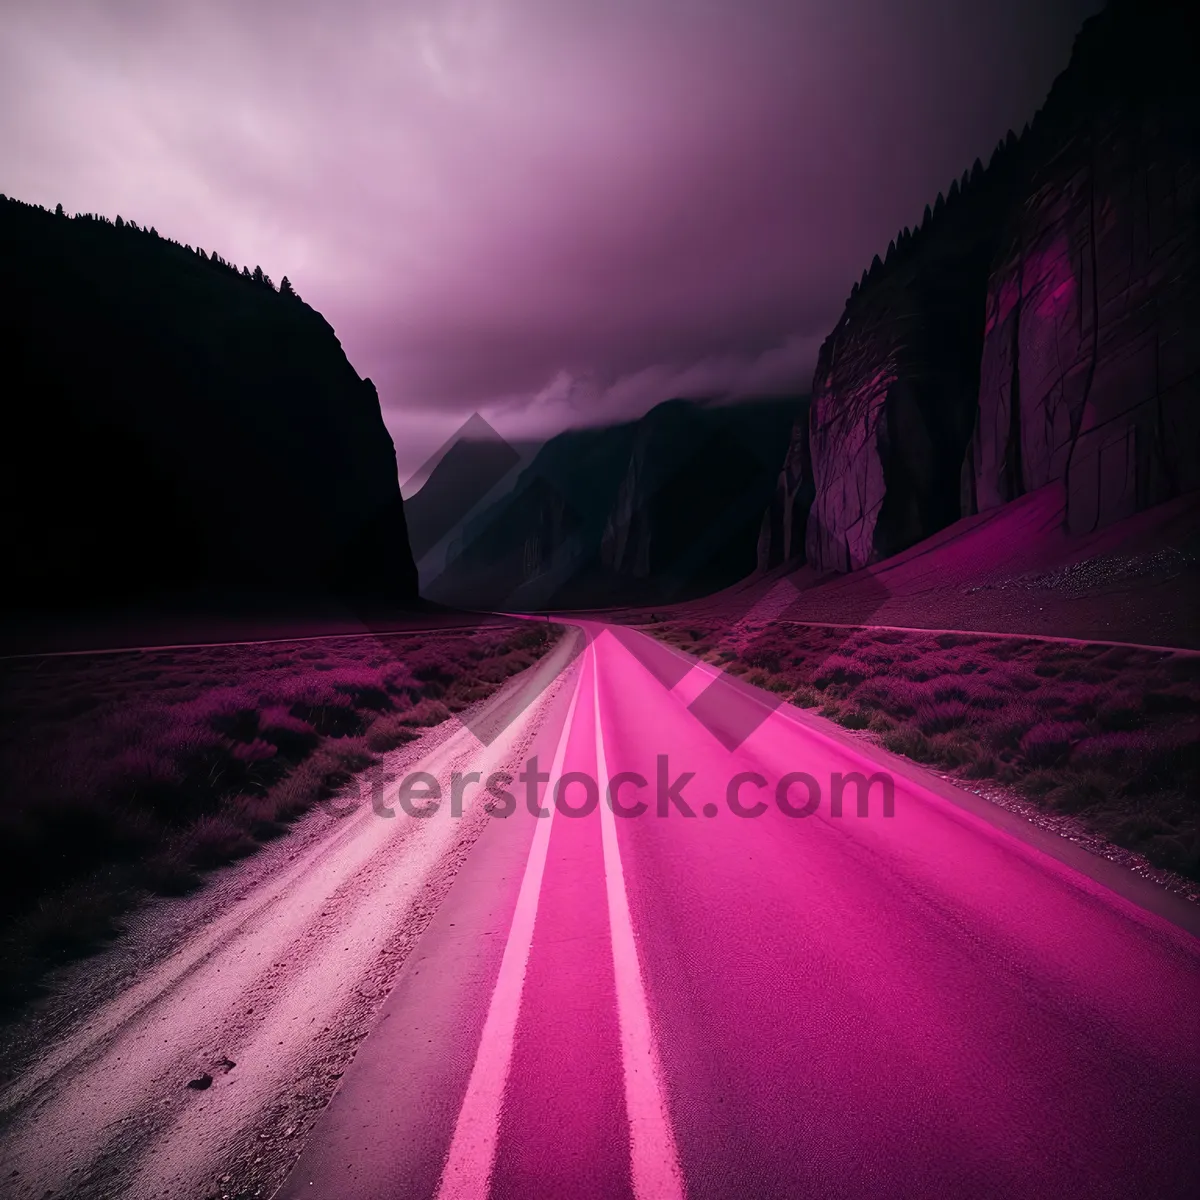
(468, 1170)
(654, 1159)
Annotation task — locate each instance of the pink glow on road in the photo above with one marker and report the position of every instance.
(838, 924)
(653, 1159)
(468, 1170)
(653, 1156)
(936, 1003)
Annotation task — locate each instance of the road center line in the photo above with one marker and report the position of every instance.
(468, 1170)
(654, 1159)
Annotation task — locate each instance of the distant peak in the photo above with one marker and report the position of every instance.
(477, 429)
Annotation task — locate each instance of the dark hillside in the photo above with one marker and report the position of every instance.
(665, 507)
(175, 427)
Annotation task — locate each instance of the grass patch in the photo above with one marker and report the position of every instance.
(853, 718)
(133, 773)
(911, 742)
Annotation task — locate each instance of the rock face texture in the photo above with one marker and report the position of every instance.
(781, 538)
(1091, 359)
(175, 428)
(896, 385)
(665, 507)
(1041, 324)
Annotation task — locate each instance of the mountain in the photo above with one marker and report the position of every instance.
(664, 507)
(476, 460)
(1039, 325)
(174, 427)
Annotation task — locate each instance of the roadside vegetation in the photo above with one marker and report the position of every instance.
(1110, 734)
(134, 773)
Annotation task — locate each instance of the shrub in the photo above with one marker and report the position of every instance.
(495, 670)
(218, 838)
(890, 693)
(169, 873)
(958, 749)
(333, 719)
(1050, 742)
(853, 718)
(840, 669)
(1081, 792)
(428, 712)
(1041, 782)
(228, 710)
(982, 764)
(1109, 750)
(1073, 700)
(947, 640)
(935, 715)
(291, 735)
(1009, 729)
(367, 687)
(910, 742)
(140, 771)
(253, 752)
(768, 657)
(433, 670)
(389, 732)
(1023, 681)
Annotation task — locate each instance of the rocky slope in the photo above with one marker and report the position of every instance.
(1091, 357)
(897, 380)
(176, 428)
(664, 507)
(1039, 325)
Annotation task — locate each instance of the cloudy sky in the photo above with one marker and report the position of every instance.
(550, 211)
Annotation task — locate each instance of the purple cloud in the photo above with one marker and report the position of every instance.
(543, 209)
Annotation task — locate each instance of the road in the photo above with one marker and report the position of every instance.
(936, 1001)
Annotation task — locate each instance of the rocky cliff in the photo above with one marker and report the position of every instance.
(665, 507)
(896, 383)
(1039, 324)
(1091, 357)
(781, 535)
(174, 427)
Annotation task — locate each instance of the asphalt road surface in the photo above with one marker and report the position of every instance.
(926, 999)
